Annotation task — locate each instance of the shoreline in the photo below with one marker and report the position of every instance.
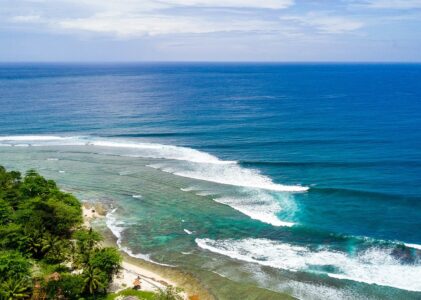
(153, 276)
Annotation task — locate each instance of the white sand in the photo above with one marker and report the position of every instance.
(89, 214)
(129, 272)
(150, 281)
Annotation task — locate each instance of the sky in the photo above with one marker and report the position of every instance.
(210, 30)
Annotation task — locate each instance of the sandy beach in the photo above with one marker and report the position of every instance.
(133, 268)
(150, 281)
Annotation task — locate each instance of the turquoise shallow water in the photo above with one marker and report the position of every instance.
(301, 179)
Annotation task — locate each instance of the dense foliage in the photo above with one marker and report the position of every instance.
(45, 253)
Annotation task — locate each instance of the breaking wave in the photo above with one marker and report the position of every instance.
(117, 227)
(372, 266)
(253, 198)
(204, 166)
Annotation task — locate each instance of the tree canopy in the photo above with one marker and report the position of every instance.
(44, 250)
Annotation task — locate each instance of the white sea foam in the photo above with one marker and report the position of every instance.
(163, 151)
(231, 174)
(117, 227)
(124, 173)
(187, 231)
(415, 246)
(258, 205)
(14, 138)
(205, 166)
(190, 163)
(191, 189)
(114, 225)
(146, 257)
(373, 266)
(204, 193)
(62, 171)
(301, 290)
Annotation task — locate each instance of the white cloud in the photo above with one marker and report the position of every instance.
(134, 18)
(130, 18)
(269, 4)
(393, 4)
(326, 23)
(143, 5)
(159, 24)
(25, 19)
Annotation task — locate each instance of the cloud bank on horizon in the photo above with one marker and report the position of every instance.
(249, 30)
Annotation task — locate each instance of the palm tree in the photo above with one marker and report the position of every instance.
(92, 279)
(53, 247)
(34, 243)
(15, 288)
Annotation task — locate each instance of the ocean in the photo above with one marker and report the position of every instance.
(258, 179)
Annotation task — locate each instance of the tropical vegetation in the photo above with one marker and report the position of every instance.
(45, 252)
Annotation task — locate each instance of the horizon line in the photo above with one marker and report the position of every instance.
(210, 62)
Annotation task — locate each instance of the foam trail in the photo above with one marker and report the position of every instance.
(372, 266)
(114, 225)
(13, 138)
(200, 166)
(204, 193)
(144, 257)
(190, 163)
(117, 229)
(164, 151)
(233, 174)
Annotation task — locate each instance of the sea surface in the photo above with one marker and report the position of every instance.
(258, 179)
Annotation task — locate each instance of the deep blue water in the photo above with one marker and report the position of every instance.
(351, 132)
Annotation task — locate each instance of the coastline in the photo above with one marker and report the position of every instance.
(153, 276)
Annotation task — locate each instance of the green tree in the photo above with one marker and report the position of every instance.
(50, 214)
(34, 185)
(34, 243)
(38, 220)
(93, 279)
(86, 242)
(9, 186)
(72, 285)
(54, 248)
(107, 260)
(15, 288)
(6, 212)
(13, 264)
(12, 237)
